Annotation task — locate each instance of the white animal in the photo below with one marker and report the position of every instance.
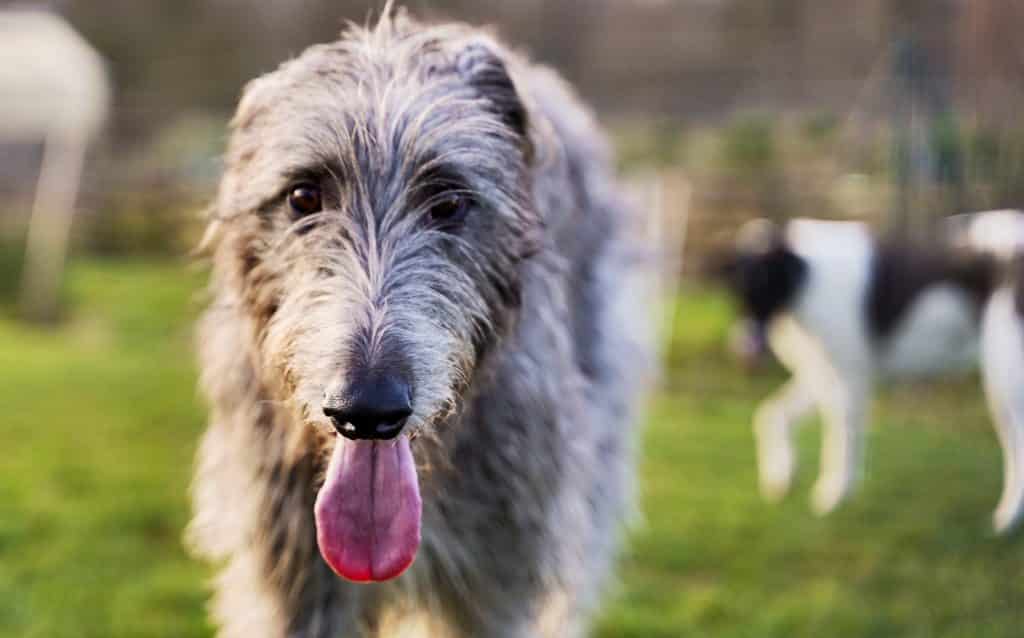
(53, 88)
(842, 310)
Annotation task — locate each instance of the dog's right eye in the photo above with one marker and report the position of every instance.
(449, 209)
(305, 199)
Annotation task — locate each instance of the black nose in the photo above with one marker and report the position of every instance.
(372, 407)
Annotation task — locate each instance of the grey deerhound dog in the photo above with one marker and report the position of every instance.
(421, 352)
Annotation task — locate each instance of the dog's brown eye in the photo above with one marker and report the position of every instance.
(305, 199)
(450, 208)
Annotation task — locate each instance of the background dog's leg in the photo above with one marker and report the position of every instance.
(247, 606)
(844, 409)
(773, 428)
(1003, 375)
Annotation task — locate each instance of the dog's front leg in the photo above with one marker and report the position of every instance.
(248, 604)
(773, 429)
(1003, 374)
(843, 400)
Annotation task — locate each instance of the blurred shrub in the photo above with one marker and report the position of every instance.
(651, 143)
(12, 254)
(189, 150)
(150, 202)
(994, 166)
(12, 260)
(984, 150)
(947, 145)
(748, 146)
(158, 221)
(749, 155)
(820, 127)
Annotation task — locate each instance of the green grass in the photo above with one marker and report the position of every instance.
(99, 428)
(101, 422)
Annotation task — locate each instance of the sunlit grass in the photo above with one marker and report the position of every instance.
(911, 555)
(99, 427)
(100, 422)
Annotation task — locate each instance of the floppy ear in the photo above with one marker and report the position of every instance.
(243, 148)
(482, 66)
(794, 267)
(484, 69)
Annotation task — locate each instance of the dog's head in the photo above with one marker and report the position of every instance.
(371, 224)
(762, 273)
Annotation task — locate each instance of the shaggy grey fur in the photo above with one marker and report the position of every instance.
(518, 327)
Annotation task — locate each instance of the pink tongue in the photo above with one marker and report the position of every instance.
(368, 511)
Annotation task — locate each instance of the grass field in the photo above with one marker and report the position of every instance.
(100, 422)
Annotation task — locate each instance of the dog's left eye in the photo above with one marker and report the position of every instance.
(305, 199)
(450, 208)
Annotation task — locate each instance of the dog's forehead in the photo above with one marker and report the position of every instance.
(335, 95)
(357, 75)
(371, 104)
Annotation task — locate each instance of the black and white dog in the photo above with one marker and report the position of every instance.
(842, 309)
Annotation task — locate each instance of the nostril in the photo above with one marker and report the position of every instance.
(393, 416)
(339, 419)
(387, 429)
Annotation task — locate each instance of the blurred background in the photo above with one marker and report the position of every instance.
(897, 112)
